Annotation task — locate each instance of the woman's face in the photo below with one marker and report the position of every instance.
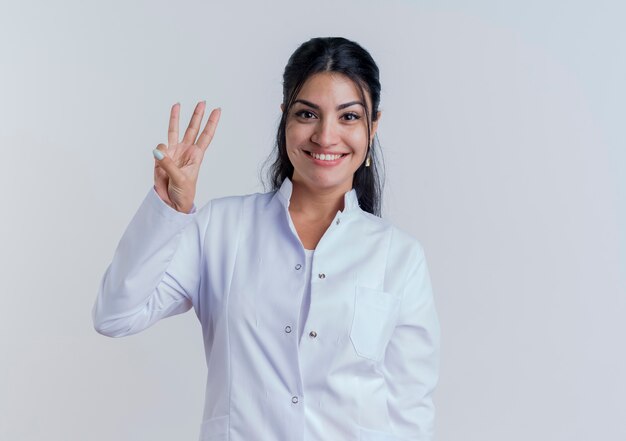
(326, 132)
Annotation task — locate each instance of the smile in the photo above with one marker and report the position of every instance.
(326, 157)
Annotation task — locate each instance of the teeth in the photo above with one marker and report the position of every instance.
(324, 157)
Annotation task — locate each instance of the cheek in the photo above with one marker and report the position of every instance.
(291, 144)
(295, 136)
(358, 140)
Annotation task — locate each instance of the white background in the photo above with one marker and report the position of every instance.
(503, 134)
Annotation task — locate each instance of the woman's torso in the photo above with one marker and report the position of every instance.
(261, 376)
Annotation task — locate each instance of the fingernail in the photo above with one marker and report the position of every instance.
(158, 154)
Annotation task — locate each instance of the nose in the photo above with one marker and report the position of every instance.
(326, 133)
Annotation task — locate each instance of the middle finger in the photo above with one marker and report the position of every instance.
(194, 124)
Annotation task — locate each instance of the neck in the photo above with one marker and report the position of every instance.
(316, 203)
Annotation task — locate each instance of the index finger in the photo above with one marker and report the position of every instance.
(172, 132)
(209, 129)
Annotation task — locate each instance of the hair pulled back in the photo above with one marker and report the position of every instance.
(333, 54)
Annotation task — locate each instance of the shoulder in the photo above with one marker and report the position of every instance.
(234, 204)
(398, 235)
(222, 218)
(403, 246)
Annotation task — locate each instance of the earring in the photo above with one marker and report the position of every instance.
(368, 160)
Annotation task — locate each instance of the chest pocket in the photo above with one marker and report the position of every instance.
(375, 313)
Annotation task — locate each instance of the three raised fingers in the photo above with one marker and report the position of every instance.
(194, 126)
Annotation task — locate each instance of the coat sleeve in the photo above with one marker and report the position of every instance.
(411, 363)
(155, 271)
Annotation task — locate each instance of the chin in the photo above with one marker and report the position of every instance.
(328, 183)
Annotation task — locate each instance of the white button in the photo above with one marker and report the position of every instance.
(321, 275)
(298, 266)
(294, 400)
(287, 329)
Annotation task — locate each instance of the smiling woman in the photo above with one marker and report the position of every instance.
(326, 143)
(333, 86)
(318, 315)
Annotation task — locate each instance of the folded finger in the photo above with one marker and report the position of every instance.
(209, 129)
(166, 163)
(194, 125)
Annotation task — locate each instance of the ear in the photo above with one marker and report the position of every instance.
(375, 126)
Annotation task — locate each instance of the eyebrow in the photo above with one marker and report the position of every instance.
(339, 107)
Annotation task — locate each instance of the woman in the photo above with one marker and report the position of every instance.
(318, 316)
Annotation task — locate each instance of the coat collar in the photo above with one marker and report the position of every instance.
(350, 199)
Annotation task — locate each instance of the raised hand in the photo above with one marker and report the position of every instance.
(176, 166)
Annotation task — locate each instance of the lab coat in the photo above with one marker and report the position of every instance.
(364, 367)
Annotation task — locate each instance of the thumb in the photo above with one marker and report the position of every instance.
(166, 163)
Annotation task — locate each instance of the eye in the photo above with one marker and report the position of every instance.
(305, 114)
(351, 116)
